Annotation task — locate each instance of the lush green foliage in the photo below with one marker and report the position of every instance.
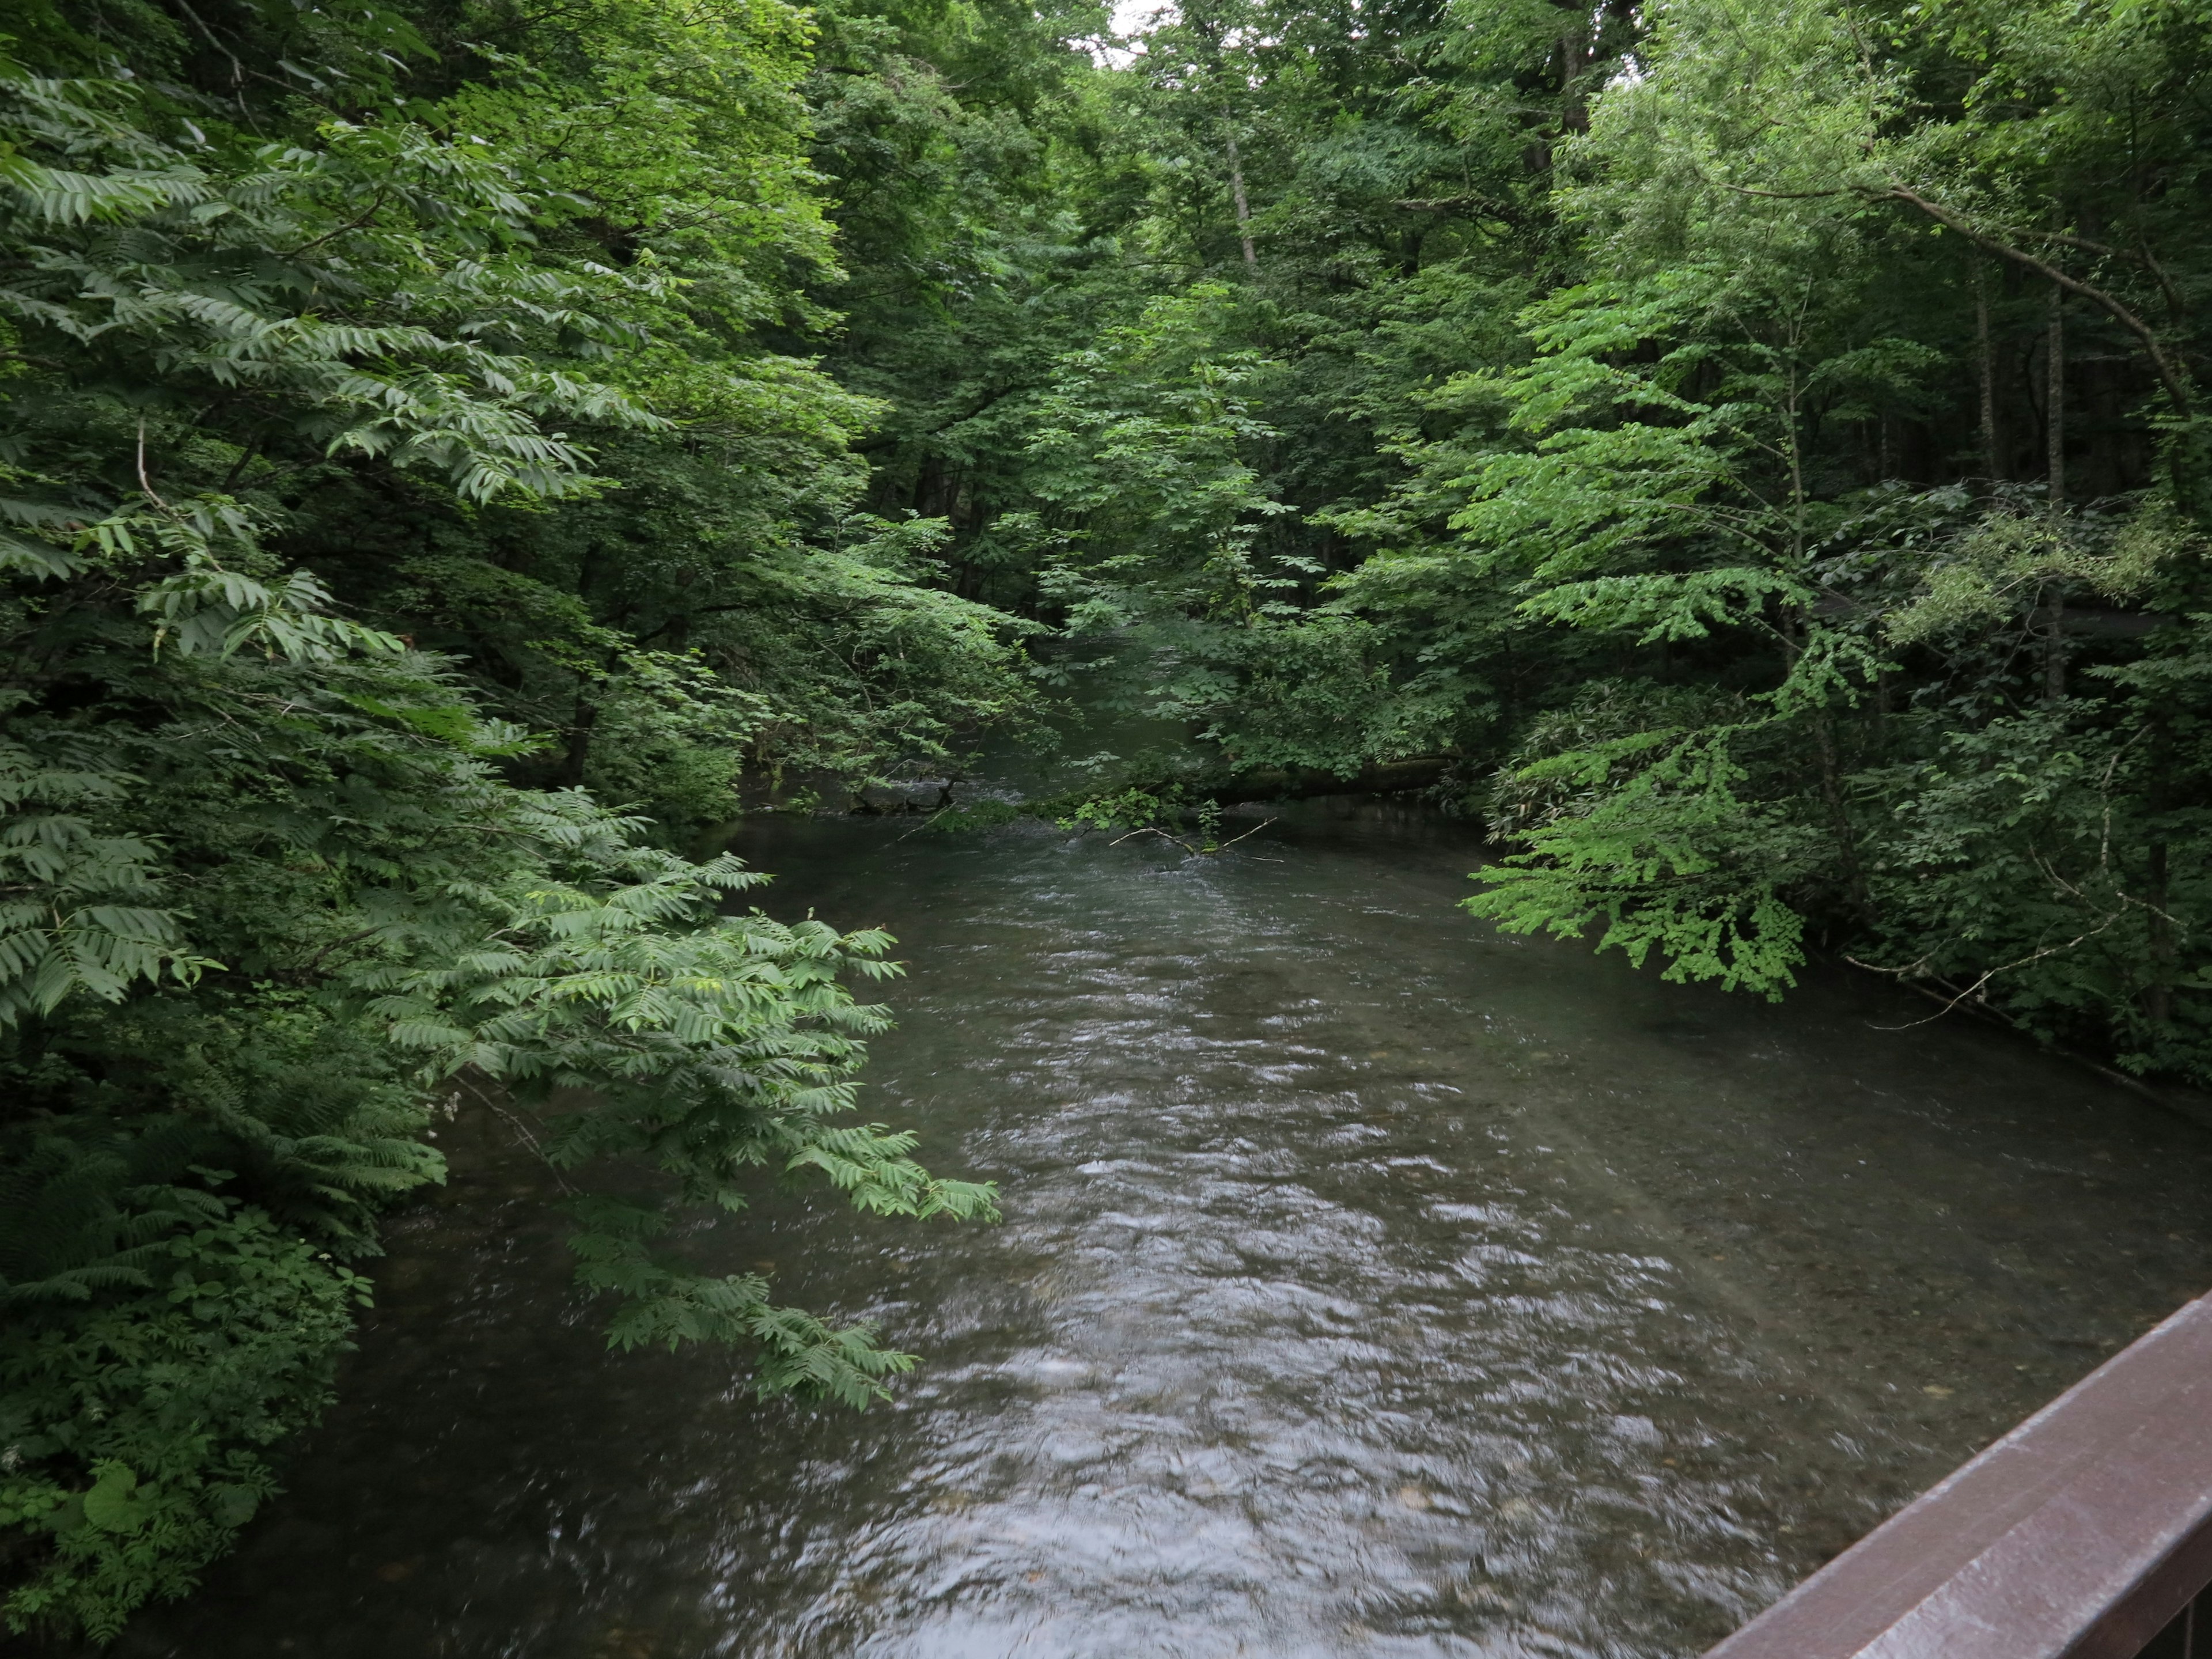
(390, 447)
(455, 456)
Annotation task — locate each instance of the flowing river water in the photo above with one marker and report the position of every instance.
(1369, 1284)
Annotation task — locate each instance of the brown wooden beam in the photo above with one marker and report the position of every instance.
(2079, 1535)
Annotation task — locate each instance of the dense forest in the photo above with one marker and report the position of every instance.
(455, 456)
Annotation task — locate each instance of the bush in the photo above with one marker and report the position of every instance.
(137, 1428)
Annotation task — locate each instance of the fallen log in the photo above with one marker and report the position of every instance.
(1257, 783)
(1303, 782)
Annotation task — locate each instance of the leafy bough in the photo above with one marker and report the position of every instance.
(1656, 847)
(711, 1047)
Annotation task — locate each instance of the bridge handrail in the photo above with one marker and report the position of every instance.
(2083, 1534)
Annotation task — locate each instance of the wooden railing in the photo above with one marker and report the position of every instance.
(2084, 1533)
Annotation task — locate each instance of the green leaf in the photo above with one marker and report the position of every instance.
(115, 1502)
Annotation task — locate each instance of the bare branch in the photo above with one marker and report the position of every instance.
(522, 1130)
(144, 482)
(1254, 830)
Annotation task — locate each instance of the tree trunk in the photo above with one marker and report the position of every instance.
(1243, 208)
(2158, 995)
(2055, 417)
(1839, 817)
(579, 752)
(1992, 466)
(2054, 641)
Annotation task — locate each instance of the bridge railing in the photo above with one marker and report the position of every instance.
(2084, 1533)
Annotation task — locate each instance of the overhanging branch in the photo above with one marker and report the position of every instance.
(2170, 377)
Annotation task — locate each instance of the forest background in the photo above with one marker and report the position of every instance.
(455, 456)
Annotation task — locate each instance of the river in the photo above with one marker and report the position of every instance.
(1370, 1284)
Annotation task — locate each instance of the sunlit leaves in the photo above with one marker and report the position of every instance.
(1660, 853)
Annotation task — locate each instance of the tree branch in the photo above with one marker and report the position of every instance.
(2169, 376)
(1784, 195)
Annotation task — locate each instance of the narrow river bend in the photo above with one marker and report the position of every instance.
(1370, 1284)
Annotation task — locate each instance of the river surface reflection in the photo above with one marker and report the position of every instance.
(1370, 1284)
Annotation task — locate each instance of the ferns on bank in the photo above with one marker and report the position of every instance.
(275, 883)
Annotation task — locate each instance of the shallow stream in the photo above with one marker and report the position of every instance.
(1370, 1284)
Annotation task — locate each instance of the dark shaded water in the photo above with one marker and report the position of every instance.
(1369, 1285)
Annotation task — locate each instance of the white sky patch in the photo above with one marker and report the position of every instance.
(1131, 18)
